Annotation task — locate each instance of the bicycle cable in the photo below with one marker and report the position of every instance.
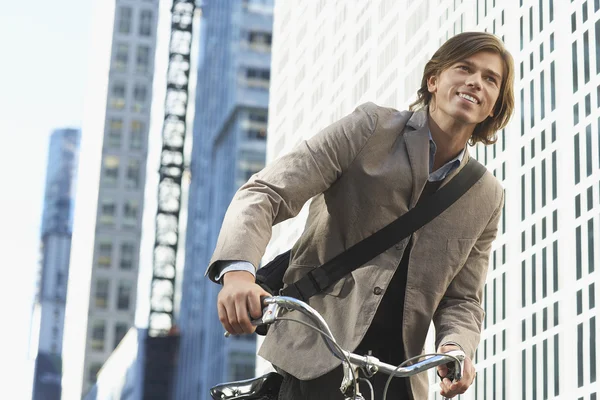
(370, 387)
(337, 346)
(387, 384)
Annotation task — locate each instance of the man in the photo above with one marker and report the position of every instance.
(362, 172)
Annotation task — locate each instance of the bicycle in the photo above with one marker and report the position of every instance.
(266, 387)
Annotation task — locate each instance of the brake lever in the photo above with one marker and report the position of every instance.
(269, 314)
(453, 374)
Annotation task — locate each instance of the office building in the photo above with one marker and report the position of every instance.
(57, 226)
(229, 135)
(137, 369)
(101, 301)
(539, 338)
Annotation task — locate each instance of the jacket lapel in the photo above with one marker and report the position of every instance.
(417, 146)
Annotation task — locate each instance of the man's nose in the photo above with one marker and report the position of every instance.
(474, 80)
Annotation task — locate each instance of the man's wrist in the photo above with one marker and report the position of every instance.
(452, 344)
(238, 275)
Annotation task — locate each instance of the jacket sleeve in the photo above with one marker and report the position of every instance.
(280, 190)
(459, 315)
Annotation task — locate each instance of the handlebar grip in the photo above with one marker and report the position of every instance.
(262, 300)
(451, 371)
(261, 329)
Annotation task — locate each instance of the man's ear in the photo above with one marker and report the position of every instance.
(432, 84)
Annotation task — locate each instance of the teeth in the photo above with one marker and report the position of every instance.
(467, 97)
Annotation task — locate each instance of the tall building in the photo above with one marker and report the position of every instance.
(228, 147)
(539, 338)
(57, 226)
(102, 290)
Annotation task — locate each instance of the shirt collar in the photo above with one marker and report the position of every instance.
(450, 165)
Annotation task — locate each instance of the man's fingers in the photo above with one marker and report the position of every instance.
(442, 370)
(254, 305)
(241, 309)
(224, 318)
(232, 317)
(451, 389)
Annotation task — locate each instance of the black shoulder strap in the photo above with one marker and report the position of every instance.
(425, 211)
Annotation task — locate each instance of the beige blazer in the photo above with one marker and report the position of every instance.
(362, 172)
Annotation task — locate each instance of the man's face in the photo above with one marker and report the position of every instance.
(467, 91)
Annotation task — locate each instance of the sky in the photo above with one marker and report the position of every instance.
(44, 47)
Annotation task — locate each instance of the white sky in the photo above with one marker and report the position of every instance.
(44, 53)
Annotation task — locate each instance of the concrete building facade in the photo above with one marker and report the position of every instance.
(539, 338)
(102, 293)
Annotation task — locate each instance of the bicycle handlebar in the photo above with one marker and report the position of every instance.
(277, 306)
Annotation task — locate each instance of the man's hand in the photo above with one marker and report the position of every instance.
(238, 300)
(450, 389)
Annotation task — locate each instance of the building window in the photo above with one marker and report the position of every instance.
(140, 95)
(115, 132)
(257, 78)
(130, 213)
(101, 295)
(121, 57)
(93, 372)
(133, 174)
(127, 256)
(256, 125)
(60, 276)
(592, 350)
(145, 23)
(107, 212)
(241, 365)
(124, 20)
(260, 134)
(120, 331)
(142, 60)
(136, 138)
(104, 253)
(111, 170)
(247, 168)
(117, 96)
(98, 333)
(124, 295)
(259, 41)
(257, 6)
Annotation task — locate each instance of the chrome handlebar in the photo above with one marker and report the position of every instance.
(277, 306)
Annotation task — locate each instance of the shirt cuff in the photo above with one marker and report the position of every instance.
(228, 266)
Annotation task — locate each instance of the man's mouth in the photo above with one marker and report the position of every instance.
(468, 97)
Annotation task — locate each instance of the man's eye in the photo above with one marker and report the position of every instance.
(492, 80)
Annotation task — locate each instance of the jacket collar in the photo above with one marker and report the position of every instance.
(417, 146)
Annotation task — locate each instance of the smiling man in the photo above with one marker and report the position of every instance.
(362, 173)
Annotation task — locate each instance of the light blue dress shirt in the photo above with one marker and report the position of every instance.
(440, 174)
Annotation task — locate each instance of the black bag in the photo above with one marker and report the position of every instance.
(270, 276)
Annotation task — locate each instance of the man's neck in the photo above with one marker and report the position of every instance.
(450, 139)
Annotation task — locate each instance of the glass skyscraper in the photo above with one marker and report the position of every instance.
(57, 226)
(229, 135)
